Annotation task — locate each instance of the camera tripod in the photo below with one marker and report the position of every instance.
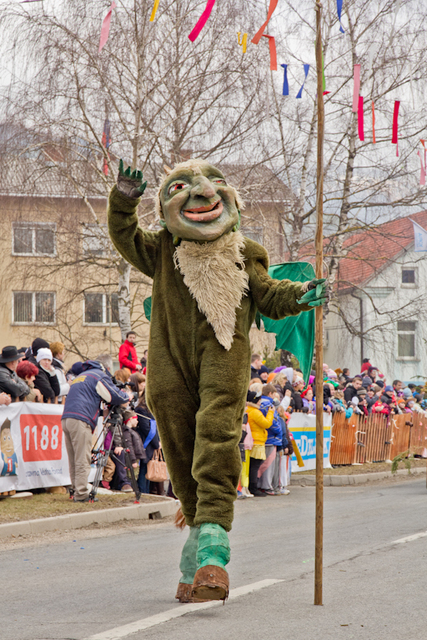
(112, 423)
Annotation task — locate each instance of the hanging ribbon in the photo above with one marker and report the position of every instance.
(373, 123)
(423, 171)
(423, 142)
(360, 123)
(273, 54)
(153, 13)
(202, 20)
(394, 137)
(306, 70)
(285, 91)
(339, 10)
(356, 87)
(257, 36)
(105, 29)
(243, 42)
(325, 93)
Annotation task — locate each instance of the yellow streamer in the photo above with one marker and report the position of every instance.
(243, 42)
(153, 13)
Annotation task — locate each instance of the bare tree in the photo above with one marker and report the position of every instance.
(162, 95)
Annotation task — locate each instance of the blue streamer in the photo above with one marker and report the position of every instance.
(285, 80)
(339, 10)
(306, 70)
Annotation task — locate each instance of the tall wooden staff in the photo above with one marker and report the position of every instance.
(318, 565)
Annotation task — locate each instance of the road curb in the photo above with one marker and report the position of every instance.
(157, 510)
(341, 481)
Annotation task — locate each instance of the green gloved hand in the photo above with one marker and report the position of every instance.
(130, 182)
(317, 293)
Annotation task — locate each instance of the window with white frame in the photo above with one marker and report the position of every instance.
(406, 331)
(33, 238)
(95, 240)
(409, 277)
(33, 307)
(254, 233)
(101, 308)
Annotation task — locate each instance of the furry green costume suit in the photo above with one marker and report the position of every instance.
(196, 388)
(208, 282)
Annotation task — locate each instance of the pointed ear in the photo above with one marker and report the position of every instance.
(167, 169)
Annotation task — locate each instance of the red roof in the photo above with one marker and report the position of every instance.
(369, 251)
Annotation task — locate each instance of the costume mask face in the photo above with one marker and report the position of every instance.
(196, 202)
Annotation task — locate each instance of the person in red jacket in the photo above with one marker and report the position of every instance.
(127, 353)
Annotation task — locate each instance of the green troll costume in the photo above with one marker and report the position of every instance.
(208, 282)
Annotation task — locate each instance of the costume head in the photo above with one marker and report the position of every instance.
(195, 202)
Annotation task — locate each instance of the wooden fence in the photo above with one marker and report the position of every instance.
(376, 438)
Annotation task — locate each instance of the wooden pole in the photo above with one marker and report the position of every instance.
(318, 564)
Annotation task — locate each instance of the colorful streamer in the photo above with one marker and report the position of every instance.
(306, 70)
(339, 11)
(373, 123)
(155, 7)
(285, 91)
(105, 29)
(106, 141)
(243, 42)
(360, 121)
(260, 32)
(423, 142)
(395, 122)
(202, 20)
(356, 88)
(423, 171)
(273, 53)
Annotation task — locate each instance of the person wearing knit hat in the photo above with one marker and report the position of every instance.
(37, 344)
(46, 380)
(407, 393)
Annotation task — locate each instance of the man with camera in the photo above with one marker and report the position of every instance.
(91, 386)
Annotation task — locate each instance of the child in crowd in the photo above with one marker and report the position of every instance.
(259, 424)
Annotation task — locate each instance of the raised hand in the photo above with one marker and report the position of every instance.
(130, 182)
(317, 293)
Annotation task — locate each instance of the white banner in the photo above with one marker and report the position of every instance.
(303, 428)
(32, 447)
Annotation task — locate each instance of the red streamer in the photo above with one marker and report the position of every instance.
(356, 87)
(271, 9)
(373, 123)
(273, 53)
(202, 20)
(360, 123)
(423, 171)
(395, 121)
(105, 29)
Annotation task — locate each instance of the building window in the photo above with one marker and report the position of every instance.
(253, 233)
(406, 339)
(33, 239)
(33, 307)
(95, 240)
(101, 308)
(409, 278)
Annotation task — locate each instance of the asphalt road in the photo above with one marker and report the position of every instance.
(373, 588)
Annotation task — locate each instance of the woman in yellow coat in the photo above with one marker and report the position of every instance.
(259, 425)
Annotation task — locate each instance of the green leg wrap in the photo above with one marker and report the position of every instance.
(188, 564)
(214, 546)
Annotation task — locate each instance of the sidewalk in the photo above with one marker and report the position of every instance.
(304, 480)
(153, 510)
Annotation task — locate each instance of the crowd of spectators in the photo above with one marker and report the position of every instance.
(274, 395)
(37, 374)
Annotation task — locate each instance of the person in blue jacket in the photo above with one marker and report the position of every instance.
(91, 386)
(274, 440)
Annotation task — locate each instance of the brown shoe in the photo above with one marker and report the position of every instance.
(183, 593)
(210, 583)
(126, 488)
